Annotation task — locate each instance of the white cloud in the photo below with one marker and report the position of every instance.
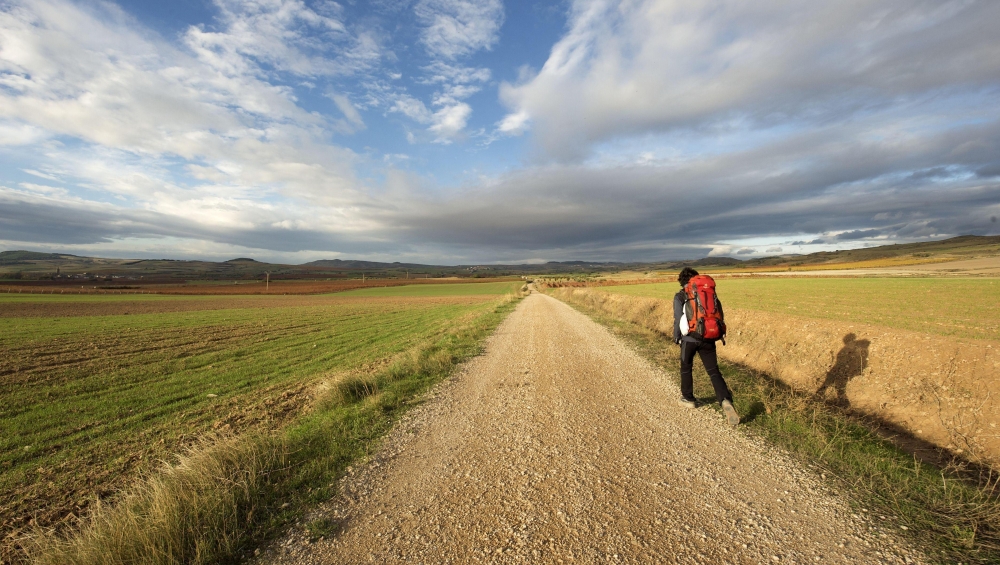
(454, 93)
(138, 108)
(285, 35)
(41, 175)
(455, 28)
(94, 76)
(450, 121)
(44, 189)
(447, 123)
(350, 112)
(14, 133)
(451, 73)
(662, 65)
(412, 108)
(721, 250)
(514, 124)
(451, 29)
(395, 157)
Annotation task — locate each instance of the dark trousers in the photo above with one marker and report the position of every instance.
(706, 349)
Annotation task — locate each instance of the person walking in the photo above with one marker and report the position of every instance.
(692, 342)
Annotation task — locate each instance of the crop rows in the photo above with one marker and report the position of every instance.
(88, 401)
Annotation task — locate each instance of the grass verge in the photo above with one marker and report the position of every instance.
(229, 493)
(952, 511)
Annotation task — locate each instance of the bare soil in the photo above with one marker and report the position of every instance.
(561, 444)
(940, 389)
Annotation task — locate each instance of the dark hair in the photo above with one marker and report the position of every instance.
(685, 275)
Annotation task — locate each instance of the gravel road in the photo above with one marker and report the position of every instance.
(561, 444)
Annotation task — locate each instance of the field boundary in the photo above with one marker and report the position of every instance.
(231, 493)
(952, 510)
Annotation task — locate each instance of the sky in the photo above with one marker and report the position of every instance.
(483, 131)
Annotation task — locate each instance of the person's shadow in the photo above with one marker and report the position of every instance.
(851, 361)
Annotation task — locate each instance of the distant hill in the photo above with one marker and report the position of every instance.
(33, 265)
(356, 264)
(955, 247)
(14, 257)
(714, 262)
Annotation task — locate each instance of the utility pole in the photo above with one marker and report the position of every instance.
(362, 278)
(267, 281)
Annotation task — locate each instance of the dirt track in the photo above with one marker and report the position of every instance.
(561, 444)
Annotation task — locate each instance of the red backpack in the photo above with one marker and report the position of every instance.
(703, 310)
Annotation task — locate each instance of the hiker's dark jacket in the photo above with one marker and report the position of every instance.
(679, 300)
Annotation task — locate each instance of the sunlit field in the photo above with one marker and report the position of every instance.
(951, 307)
(98, 388)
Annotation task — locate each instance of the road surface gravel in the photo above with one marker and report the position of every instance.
(561, 444)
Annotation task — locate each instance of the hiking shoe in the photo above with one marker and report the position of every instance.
(687, 403)
(731, 414)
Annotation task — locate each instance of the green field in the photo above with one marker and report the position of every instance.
(951, 307)
(87, 401)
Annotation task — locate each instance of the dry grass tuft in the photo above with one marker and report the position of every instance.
(651, 313)
(192, 512)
